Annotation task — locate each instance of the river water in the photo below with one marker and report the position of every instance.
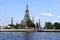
(29, 35)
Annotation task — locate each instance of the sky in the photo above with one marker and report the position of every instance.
(45, 10)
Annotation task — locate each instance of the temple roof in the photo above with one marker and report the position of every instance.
(26, 16)
(10, 25)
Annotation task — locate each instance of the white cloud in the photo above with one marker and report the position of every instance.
(46, 14)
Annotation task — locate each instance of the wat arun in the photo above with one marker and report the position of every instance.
(26, 16)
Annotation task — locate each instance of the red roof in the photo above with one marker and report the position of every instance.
(10, 25)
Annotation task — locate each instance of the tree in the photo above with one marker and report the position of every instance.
(56, 25)
(30, 24)
(16, 26)
(48, 25)
(37, 25)
(7, 27)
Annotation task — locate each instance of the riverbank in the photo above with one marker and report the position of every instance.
(49, 30)
(29, 30)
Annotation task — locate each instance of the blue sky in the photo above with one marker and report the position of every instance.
(45, 10)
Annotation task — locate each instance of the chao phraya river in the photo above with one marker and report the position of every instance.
(29, 35)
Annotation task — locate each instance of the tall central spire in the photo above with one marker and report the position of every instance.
(26, 16)
(26, 6)
(11, 20)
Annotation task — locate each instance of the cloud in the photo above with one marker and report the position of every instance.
(47, 14)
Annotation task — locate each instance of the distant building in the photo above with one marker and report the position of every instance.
(39, 23)
(20, 26)
(11, 25)
(38, 26)
(32, 19)
(2, 27)
(26, 17)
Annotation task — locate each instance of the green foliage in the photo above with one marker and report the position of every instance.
(16, 26)
(7, 27)
(37, 26)
(30, 24)
(56, 25)
(48, 25)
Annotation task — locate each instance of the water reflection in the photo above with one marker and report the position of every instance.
(28, 35)
(42, 36)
